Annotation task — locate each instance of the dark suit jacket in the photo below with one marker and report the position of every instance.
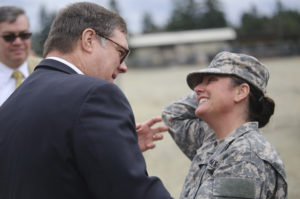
(68, 136)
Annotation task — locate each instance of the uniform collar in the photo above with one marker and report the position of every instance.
(241, 130)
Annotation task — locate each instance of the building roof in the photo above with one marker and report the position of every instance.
(182, 37)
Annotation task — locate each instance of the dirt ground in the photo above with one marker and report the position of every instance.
(149, 90)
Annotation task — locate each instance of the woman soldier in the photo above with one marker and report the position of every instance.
(217, 127)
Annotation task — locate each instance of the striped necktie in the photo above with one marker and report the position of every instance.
(18, 76)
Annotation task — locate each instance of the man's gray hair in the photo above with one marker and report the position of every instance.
(10, 13)
(70, 22)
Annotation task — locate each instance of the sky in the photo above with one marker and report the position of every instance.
(133, 10)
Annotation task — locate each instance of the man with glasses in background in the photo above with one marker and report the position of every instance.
(15, 47)
(73, 135)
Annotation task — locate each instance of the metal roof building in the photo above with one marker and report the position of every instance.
(181, 47)
(182, 37)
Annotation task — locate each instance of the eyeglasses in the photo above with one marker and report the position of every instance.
(12, 36)
(123, 54)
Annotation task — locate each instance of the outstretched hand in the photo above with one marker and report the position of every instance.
(147, 135)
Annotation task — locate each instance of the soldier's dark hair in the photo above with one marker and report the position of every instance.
(10, 13)
(261, 107)
(70, 22)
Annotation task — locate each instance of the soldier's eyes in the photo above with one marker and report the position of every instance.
(212, 78)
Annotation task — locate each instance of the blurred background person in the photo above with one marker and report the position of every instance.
(16, 62)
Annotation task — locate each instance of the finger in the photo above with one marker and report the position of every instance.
(160, 129)
(150, 146)
(138, 126)
(157, 137)
(153, 120)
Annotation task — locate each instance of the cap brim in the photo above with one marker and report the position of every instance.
(194, 78)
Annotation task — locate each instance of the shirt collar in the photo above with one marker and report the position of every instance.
(67, 63)
(6, 71)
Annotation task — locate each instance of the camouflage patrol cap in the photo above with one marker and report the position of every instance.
(243, 66)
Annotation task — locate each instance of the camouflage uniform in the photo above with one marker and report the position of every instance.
(242, 165)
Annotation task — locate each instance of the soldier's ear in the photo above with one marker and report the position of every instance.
(241, 92)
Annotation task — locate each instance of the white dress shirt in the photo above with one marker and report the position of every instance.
(7, 82)
(67, 63)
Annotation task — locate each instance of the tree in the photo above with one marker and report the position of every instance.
(185, 15)
(290, 26)
(113, 5)
(213, 16)
(284, 25)
(148, 24)
(254, 26)
(196, 14)
(40, 37)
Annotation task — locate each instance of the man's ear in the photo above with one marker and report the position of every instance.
(242, 92)
(87, 38)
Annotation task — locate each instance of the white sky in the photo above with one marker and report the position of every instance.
(133, 10)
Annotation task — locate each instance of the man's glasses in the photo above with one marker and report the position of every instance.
(12, 37)
(123, 54)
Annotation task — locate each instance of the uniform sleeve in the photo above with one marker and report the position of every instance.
(106, 149)
(187, 130)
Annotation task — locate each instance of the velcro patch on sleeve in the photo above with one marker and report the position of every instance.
(232, 187)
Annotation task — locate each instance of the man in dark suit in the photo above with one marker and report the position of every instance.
(73, 133)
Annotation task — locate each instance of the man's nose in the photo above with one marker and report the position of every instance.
(18, 40)
(123, 67)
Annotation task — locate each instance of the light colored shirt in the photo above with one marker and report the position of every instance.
(7, 82)
(67, 63)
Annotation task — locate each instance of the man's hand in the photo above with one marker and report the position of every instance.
(146, 134)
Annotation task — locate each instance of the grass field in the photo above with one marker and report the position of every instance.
(149, 90)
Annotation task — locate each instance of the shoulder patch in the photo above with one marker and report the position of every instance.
(233, 187)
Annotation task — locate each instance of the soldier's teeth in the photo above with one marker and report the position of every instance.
(203, 100)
